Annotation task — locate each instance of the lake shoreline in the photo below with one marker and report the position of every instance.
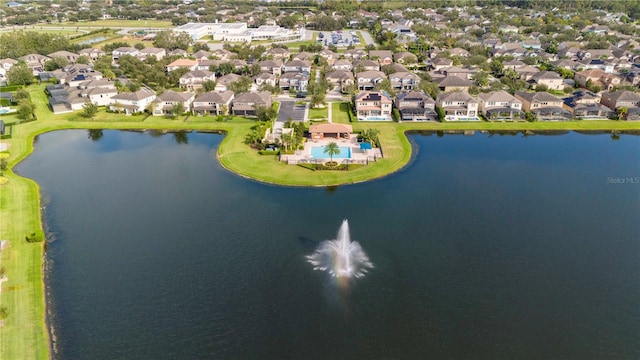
(22, 207)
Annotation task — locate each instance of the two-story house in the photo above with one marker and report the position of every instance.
(454, 83)
(132, 102)
(223, 82)
(266, 78)
(552, 80)
(366, 65)
(296, 81)
(355, 54)
(383, 57)
(92, 53)
(625, 102)
(35, 62)
(247, 104)
(458, 106)
(329, 56)
(213, 103)
(166, 103)
(597, 77)
(404, 81)
(182, 64)
(340, 78)
(5, 65)
(194, 79)
(155, 52)
(278, 54)
(543, 106)
(500, 105)
(416, 106)
(585, 105)
(367, 80)
(67, 55)
(342, 64)
(297, 66)
(125, 50)
(271, 66)
(373, 106)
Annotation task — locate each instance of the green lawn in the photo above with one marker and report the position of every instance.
(24, 336)
(340, 112)
(319, 114)
(113, 23)
(45, 30)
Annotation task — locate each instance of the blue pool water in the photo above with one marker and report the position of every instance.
(378, 118)
(4, 111)
(317, 152)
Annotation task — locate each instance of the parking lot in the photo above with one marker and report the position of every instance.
(339, 38)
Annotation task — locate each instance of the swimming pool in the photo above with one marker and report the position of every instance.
(377, 118)
(317, 152)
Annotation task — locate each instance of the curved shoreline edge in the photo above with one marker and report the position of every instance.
(25, 332)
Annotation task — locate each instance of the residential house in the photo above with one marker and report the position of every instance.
(606, 65)
(567, 64)
(182, 64)
(201, 55)
(355, 54)
(158, 53)
(35, 62)
(271, 66)
(464, 73)
(404, 81)
(500, 105)
(551, 79)
(458, 106)
(405, 58)
(222, 54)
(438, 64)
(384, 57)
(223, 82)
(367, 80)
(459, 52)
(278, 54)
(265, 79)
(543, 105)
(513, 64)
(177, 52)
(597, 77)
(303, 56)
(297, 66)
(196, 78)
(296, 81)
(340, 78)
(132, 102)
(213, 103)
(454, 83)
(69, 56)
(416, 106)
(366, 65)
(125, 50)
(373, 105)
(208, 64)
(343, 64)
(329, 56)
(5, 65)
(623, 99)
(586, 105)
(92, 53)
(166, 103)
(247, 104)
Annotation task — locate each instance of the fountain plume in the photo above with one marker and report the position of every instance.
(341, 257)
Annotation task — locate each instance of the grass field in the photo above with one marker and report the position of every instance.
(114, 23)
(23, 335)
(45, 30)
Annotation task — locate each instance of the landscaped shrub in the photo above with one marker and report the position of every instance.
(37, 236)
(268, 152)
(5, 102)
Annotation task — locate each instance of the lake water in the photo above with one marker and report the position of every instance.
(486, 247)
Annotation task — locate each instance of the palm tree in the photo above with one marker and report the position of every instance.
(332, 149)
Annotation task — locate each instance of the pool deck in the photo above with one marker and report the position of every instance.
(357, 156)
